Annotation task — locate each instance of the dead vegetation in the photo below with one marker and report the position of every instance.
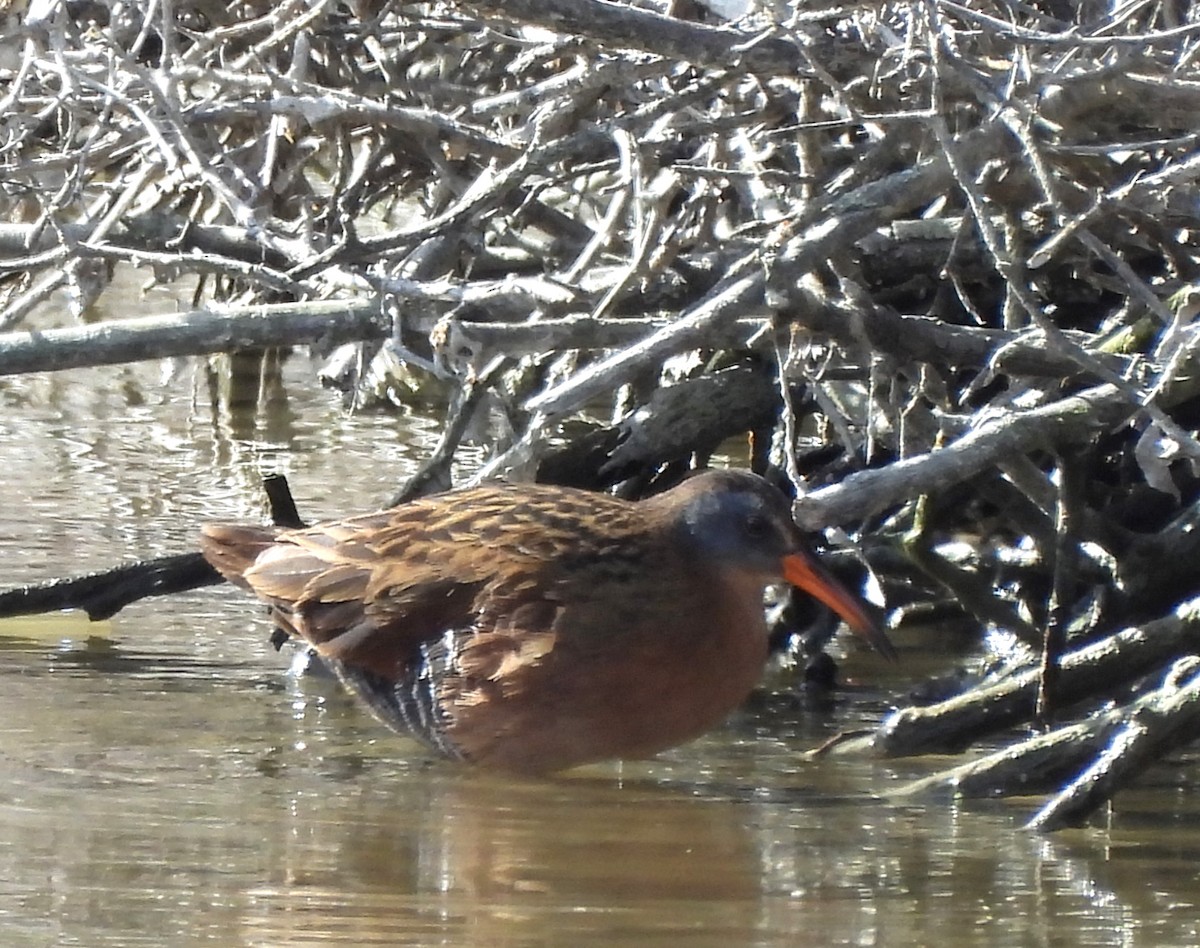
(940, 258)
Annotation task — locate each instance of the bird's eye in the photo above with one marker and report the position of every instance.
(757, 526)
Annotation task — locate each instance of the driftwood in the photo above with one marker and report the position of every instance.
(1098, 669)
(1083, 764)
(103, 594)
(940, 261)
(198, 333)
(1162, 723)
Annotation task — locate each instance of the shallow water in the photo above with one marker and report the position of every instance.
(167, 782)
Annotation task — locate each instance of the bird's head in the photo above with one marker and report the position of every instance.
(736, 521)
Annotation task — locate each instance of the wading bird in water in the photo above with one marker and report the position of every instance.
(535, 628)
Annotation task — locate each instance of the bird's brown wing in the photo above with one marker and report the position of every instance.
(414, 613)
(381, 591)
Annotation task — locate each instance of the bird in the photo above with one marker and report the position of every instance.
(535, 628)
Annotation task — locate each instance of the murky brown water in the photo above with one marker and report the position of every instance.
(166, 782)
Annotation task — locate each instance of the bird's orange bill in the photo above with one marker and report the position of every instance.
(804, 574)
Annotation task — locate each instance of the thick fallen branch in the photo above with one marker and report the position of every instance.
(695, 414)
(197, 333)
(618, 25)
(1087, 763)
(1074, 420)
(1155, 729)
(102, 595)
(1095, 669)
(1041, 764)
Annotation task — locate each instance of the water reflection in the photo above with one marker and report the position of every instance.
(151, 796)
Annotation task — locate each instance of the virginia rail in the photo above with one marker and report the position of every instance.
(533, 628)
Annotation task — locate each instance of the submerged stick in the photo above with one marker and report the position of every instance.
(1163, 724)
(102, 595)
(1103, 665)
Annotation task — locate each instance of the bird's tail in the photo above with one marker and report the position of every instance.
(232, 548)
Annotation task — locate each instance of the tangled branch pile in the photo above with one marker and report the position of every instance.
(941, 257)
